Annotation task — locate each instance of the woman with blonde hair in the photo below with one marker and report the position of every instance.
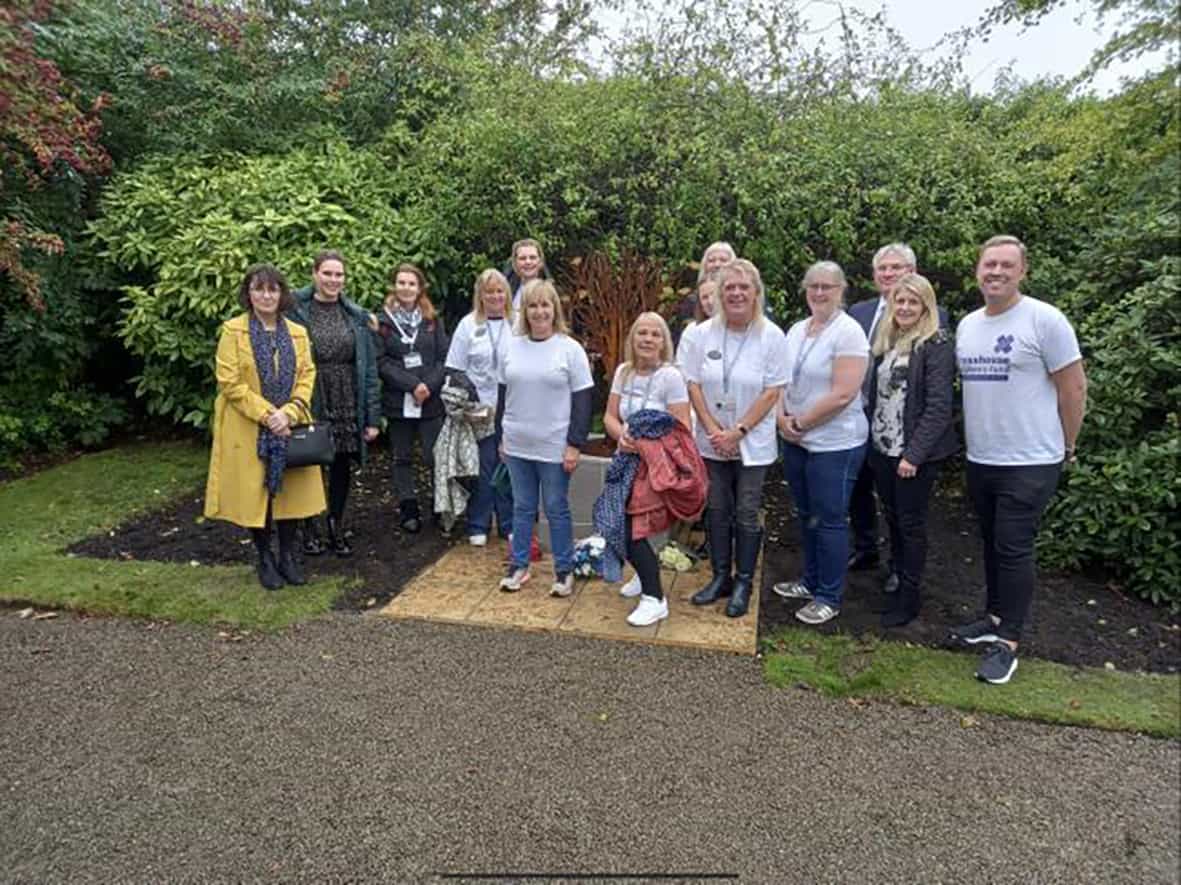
(911, 428)
(477, 349)
(411, 364)
(647, 379)
(544, 416)
(736, 374)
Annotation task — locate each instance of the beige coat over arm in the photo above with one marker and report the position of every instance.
(235, 491)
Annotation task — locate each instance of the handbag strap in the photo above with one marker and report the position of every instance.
(307, 410)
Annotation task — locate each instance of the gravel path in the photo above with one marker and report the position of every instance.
(353, 749)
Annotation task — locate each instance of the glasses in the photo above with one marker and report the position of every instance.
(821, 287)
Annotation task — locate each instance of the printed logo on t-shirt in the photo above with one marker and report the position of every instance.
(989, 367)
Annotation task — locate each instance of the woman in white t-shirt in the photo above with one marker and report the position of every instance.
(477, 349)
(647, 379)
(544, 416)
(736, 374)
(824, 429)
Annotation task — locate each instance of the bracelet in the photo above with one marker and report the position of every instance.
(795, 425)
(741, 428)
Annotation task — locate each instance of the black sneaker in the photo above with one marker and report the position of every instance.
(998, 664)
(982, 630)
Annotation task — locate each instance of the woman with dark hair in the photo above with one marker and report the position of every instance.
(347, 391)
(412, 366)
(526, 265)
(911, 428)
(265, 377)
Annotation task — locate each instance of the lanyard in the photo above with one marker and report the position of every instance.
(631, 392)
(728, 366)
(494, 340)
(805, 351)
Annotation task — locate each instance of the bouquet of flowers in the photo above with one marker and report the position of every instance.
(588, 556)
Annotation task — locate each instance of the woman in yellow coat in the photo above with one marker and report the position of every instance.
(265, 376)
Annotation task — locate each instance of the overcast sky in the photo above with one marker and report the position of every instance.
(1057, 46)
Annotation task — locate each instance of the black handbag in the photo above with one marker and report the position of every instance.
(310, 444)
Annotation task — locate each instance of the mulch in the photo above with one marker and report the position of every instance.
(1076, 619)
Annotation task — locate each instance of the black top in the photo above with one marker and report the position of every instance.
(928, 427)
(428, 348)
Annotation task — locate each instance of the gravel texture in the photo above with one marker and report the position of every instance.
(355, 749)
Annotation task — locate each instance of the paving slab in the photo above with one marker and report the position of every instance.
(462, 588)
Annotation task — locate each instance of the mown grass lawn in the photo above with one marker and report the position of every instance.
(843, 666)
(43, 514)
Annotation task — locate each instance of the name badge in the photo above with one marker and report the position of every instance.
(481, 332)
(714, 354)
(412, 360)
(726, 404)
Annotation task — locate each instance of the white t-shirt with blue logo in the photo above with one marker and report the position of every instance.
(1010, 400)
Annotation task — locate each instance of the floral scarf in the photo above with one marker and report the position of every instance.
(278, 380)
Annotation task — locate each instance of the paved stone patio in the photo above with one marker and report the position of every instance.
(462, 588)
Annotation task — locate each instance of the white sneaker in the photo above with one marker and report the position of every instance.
(514, 580)
(563, 585)
(649, 611)
(631, 588)
(477, 540)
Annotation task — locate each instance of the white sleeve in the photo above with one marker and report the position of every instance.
(851, 341)
(775, 360)
(457, 354)
(675, 390)
(617, 381)
(691, 364)
(1058, 341)
(580, 373)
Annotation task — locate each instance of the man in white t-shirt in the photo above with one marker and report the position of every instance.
(1024, 396)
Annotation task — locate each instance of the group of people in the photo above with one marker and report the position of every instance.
(856, 404)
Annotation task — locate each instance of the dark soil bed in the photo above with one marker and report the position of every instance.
(1076, 619)
(384, 557)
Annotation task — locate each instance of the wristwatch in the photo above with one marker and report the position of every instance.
(742, 428)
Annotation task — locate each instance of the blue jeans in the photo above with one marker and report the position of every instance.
(554, 483)
(821, 483)
(485, 499)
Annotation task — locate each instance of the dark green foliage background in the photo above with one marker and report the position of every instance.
(442, 141)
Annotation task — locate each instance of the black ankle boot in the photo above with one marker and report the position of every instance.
(904, 605)
(336, 539)
(720, 534)
(313, 544)
(411, 516)
(747, 544)
(268, 571)
(288, 565)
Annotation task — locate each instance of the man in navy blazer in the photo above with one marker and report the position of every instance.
(890, 264)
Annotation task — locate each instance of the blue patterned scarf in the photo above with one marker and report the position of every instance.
(278, 380)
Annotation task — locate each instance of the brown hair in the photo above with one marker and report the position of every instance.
(267, 275)
(710, 279)
(1003, 240)
(326, 255)
(425, 307)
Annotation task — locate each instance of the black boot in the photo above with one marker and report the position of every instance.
(336, 539)
(268, 571)
(313, 544)
(904, 605)
(288, 565)
(720, 535)
(747, 544)
(411, 516)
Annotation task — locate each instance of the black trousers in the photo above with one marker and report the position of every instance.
(863, 511)
(905, 506)
(402, 433)
(1010, 501)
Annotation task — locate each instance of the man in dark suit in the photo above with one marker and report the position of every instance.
(890, 263)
